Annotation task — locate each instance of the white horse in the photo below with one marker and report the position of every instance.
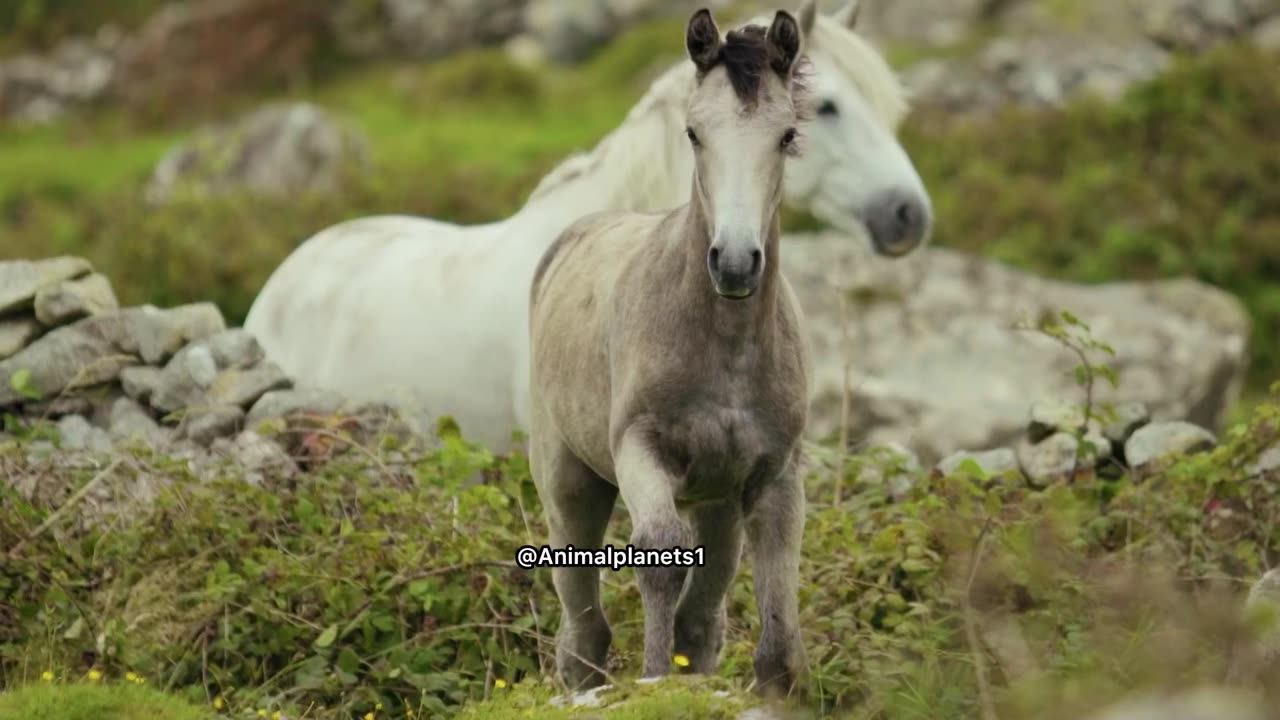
(433, 316)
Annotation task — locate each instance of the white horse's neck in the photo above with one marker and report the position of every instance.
(643, 165)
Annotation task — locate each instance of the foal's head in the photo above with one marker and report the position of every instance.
(742, 123)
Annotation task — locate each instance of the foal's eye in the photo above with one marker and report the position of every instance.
(788, 137)
(693, 136)
(828, 108)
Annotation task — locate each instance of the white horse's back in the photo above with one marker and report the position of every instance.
(345, 312)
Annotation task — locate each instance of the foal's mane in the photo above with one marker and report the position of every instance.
(746, 57)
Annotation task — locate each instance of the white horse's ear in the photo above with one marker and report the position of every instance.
(808, 13)
(848, 15)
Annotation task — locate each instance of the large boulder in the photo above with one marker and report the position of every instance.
(938, 364)
(422, 28)
(277, 150)
(567, 32)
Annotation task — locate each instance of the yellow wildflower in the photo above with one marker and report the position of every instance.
(262, 713)
(47, 676)
(681, 660)
(218, 703)
(368, 716)
(131, 676)
(499, 683)
(275, 715)
(95, 675)
(377, 706)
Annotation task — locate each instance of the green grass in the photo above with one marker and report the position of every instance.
(92, 701)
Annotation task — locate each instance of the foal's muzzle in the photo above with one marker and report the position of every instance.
(735, 269)
(899, 221)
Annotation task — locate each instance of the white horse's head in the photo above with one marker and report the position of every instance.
(854, 174)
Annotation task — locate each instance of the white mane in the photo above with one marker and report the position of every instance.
(646, 127)
(650, 122)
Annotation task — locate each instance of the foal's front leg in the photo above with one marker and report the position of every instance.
(648, 490)
(776, 527)
(700, 617)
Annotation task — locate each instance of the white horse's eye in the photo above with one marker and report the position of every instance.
(828, 107)
(788, 137)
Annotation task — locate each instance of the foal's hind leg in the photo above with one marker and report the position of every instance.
(578, 504)
(700, 616)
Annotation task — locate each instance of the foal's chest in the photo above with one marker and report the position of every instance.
(719, 449)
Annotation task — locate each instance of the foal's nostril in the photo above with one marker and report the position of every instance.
(756, 258)
(715, 258)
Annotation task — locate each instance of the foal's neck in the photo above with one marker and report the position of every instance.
(737, 322)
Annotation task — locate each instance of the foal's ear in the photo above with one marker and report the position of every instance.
(784, 42)
(702, 39)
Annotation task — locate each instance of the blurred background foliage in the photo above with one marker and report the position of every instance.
(1179, 177)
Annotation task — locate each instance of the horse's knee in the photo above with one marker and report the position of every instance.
(660, 535)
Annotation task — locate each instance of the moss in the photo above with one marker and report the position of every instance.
(85, 701)
(673, 698)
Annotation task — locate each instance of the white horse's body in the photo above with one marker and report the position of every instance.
(433, 316)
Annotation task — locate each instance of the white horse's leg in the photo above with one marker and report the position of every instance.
(775, 527)
(648, 490)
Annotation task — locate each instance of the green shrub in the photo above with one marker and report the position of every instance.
(377, 579)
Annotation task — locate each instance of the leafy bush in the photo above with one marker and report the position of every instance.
(380, 579)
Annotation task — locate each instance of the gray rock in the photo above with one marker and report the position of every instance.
(1127, 419)
(1267, 34)
(1152, 446)
(1051, 460)
(244, 387)
(20, 280)
(1000, 462)
(76, 433)
(279, 150)
(1207, 703)
(1052, 415)
(422, 28)
(1268, 462)
(40, 89)
(16, 333)
(568, 32)
(97, 348)
(185, 379)
(129, 421)
(891, 466)
(59, 406)
(235, 348)
(284, 403)
(203, 425)
(256, 456)
(69, 300)
(938, 363)
(140, 381)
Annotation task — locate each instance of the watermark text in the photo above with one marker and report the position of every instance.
(529, 557)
